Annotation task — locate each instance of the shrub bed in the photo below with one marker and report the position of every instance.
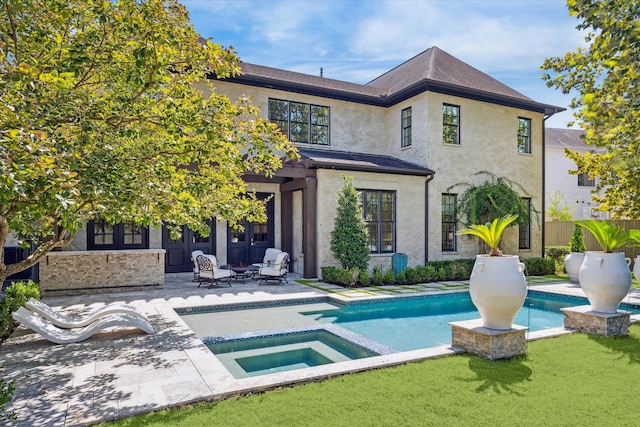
(14, 297)
(433, 271)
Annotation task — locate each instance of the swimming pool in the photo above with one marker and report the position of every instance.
(268, 338)
(424, 321)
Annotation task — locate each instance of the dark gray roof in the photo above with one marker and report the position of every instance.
(564, 138)
(342, 160)
(294, 78)
(436, 65)
(432, 70)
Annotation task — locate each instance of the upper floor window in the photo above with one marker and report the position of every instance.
(449, 222)
(524, 230)
(585, 181)
(379, 210)
(306, 123)
(406, 127)
(524, 135)
(102, 235)
(450, 124)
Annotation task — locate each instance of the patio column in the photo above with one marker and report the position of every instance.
(308, 186)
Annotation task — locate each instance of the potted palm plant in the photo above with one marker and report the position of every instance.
(497, 285)
(573, 260)
(604, 275)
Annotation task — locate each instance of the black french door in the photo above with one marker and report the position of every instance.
(248, 246)
(178, 252)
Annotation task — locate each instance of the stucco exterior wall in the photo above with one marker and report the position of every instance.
(416, 152)
(557, 177)
(410, 225)
(488, 142)
(353, 127)
(488, 135)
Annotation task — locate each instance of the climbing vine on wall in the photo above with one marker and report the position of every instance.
(494, 198)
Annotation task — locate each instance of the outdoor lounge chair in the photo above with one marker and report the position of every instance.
(196, 269)
(269, 257)
(211, 273)
(65, 336)
(63, 321)
(277, 271)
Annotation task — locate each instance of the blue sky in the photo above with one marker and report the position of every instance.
(357, 41)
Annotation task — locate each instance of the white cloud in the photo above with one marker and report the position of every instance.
(357, 41)
(484, 35)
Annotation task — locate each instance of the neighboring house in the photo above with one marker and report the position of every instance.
(406, 137)
(577, 190)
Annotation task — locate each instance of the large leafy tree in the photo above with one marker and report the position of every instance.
(105, 113)
(606, 77)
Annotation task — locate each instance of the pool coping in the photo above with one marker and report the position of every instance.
(224, 385)
(124, 372)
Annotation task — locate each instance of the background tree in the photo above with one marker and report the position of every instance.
(557, 209)
(605, 76)
(576, 243)
(105, 113)
(349, 237)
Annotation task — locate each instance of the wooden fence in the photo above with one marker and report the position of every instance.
(558, 233)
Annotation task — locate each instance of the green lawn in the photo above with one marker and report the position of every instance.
(572, 380)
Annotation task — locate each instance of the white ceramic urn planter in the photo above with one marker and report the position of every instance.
(498, 289)
(572, 263)
(605, 279)
(636, 268)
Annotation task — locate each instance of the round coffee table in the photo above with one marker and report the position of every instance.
(242, 271)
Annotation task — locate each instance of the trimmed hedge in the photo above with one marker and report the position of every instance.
(539, 266)
(433, 271)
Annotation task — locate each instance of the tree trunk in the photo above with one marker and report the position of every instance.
(59, 239)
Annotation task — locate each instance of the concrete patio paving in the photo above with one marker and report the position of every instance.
(126, 372)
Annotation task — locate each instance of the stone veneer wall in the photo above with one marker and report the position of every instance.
(79, 272)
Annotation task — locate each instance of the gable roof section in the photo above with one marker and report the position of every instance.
(342, 160)
(564, 138)
(432, 70)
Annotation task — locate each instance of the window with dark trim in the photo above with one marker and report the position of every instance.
(379, 211)
(304, 123)
(450, 124)
(524, 135)
(585, 181)
(405, 117)
(449, 241)
(524, 230)
(102, 235)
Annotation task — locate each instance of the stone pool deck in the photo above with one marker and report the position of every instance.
(126, 372)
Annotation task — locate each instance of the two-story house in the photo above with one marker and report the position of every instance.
(576, 191)
(405, 138)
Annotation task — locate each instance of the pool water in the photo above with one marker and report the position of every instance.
(422, 322)
(260, 355)
(277, 338)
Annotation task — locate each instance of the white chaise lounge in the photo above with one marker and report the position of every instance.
(65, 336)
(63, 321)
